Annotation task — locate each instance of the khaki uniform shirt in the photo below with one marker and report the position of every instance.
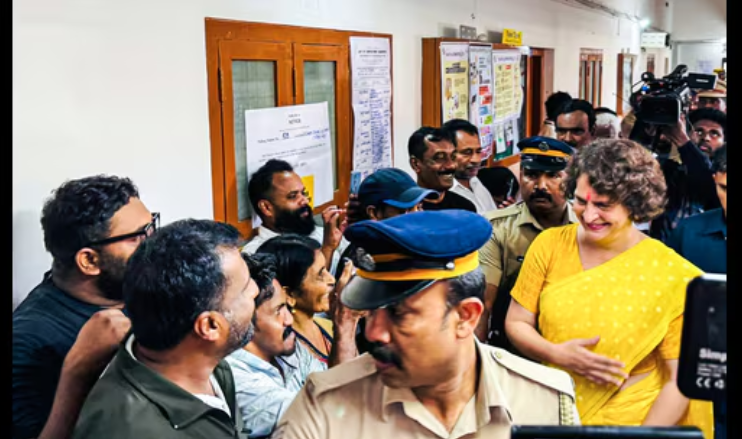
(513, 230)
(351, 401)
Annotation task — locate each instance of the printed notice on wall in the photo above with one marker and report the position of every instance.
(508, 100)
(507, 79)
(372, 96)
(480, 89)
(455, 81)
(298, 134)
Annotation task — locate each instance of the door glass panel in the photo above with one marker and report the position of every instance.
(254, 87)
(319, 86)
(590, 75)
(583, 72)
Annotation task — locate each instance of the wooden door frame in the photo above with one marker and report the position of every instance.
(619, 90)
(217, 30)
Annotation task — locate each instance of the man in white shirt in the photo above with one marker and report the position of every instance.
(468, 162)
(280, 199)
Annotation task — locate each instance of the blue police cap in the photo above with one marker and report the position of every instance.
(403, 255)
(394, 187)
(544, 153)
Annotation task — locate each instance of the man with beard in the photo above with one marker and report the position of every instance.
(544, 205)
(575, 123)
(686, 163)
(433, 158)
(426, 376)
(468, 161)
(280, 199)
(190, 297)
(273, 367)
(91, 227)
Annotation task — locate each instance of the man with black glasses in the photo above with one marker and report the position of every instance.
(91, 228)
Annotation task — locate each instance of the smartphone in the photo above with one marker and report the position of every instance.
(702, 369)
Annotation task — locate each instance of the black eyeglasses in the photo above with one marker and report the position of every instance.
(144, 232)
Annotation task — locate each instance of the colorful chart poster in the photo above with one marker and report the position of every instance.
(455, 81)
(481, 109)
(508, 100)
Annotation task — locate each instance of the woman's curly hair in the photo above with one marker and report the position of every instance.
(625, 172)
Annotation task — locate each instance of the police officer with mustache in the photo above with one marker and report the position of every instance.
(544, 205)
(426, 376)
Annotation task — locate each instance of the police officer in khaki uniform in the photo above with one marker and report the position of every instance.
(544, 205)
(426, 375)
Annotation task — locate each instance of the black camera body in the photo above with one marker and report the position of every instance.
(662, 101)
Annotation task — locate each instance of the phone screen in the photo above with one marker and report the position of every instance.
(702, 372)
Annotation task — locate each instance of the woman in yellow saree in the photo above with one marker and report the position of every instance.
(605, 302)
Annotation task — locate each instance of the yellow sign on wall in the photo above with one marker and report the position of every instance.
(512, 37)
(308, 181)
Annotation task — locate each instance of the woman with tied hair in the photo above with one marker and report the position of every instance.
(603, 301)
(312, 290)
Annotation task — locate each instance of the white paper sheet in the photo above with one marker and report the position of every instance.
(371, 99)
(298, 134)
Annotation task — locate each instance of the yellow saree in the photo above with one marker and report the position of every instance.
(634, 302)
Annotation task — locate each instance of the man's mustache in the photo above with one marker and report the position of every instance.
(540, 194)
(385, 355)
(287, 332)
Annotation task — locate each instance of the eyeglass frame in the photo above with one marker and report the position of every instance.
(145, 231)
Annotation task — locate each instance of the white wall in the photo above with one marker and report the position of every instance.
(120, 87)
(699, 19)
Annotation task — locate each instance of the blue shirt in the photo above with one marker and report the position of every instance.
(702, 240)
(263, 394)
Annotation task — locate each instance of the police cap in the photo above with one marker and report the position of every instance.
(405, 254)
(544, 153)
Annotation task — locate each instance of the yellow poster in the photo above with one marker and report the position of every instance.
(455, 81)
(504, 91)
(508, 93)
(308, 181)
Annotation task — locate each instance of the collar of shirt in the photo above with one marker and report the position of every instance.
(526, 217)
(265, 234)
(252, 363)
(715, 223)
(489, 394)
(169, 397)
(478, 194)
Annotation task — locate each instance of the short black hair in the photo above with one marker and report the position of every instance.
(578, 105)
(79, 212)
(601, 110)
(175, 275)
(260, 186)
(471, 284)
(453, 126)
(554, 102)
(497, 179)
(294, 255)
(417, 145)
(262, 268)
(719, 163)
(710, 114)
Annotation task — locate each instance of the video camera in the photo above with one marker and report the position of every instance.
(660, 102)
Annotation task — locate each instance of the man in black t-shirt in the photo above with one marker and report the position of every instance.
(91, 227)
(432, 157)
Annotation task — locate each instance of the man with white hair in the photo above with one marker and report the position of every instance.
(607, 124)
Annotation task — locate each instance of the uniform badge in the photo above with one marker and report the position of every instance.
(543, 146)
